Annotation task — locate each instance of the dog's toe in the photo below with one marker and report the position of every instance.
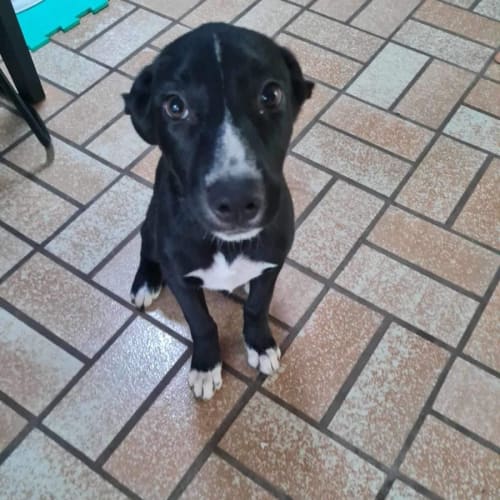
(144, 296)
(204, 384)
(267, 363)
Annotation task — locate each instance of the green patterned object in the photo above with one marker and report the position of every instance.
(40, 22)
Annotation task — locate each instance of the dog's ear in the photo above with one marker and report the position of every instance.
(302, 88)
(138, 104)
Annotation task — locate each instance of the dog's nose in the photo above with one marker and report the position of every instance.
(236, 202)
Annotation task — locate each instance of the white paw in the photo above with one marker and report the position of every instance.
(267, 363)
(204, 384)
(144, 296)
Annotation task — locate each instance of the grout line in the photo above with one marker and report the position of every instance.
(350, 19)
(479, 364)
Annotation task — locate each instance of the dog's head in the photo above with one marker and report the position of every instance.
(221, 102)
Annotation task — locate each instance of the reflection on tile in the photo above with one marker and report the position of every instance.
(30, 208)
(100, 404)
(10, 425)
(471, 397)
(33, 370)
(276, 444)
(40, 468)
(109, 220)
(217, 480)
(70, 308)
(72, 171)
(413, 297)
(12, 250)
(176, 421)
(384, 403)
(334, 337)
(452, 465)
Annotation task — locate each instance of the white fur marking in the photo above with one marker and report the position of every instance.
(267, 363)
(232, 156)
(145, 296)
(247, 235)
(218, 54)
(204, 384)
(224, 276)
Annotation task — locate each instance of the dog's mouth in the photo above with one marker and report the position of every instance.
(237, 234)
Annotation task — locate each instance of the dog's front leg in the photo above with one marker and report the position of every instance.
(205, 376)
(262, 351)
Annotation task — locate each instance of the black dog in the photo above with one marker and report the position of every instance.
(220, 102)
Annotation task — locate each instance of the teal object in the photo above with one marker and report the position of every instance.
(40, 22)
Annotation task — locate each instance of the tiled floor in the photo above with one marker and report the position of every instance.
(388, 310)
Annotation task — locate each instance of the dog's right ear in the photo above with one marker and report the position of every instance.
(138, 104)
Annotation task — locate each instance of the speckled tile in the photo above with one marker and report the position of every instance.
(374, 125)
(120, 144)
(12, 127)
(105, 398)
(336, 36)
(12, 250)
(92, 235)
(29, 208)
(451, 464)
(91, 25)
(217, 480)
(67, 68)
(39, 468)
(10, 425)
(72, 171)
(70, 308)
(285, 450)
(400, 491)
(352, 158)
(92, 110)
(476, 128)
(294, 293)
(176, 31)
(146, 166)
(335, 336)
(490, 8)
(170, 8)
(484, 344)
(384, 403)
(326, 236)
(137, 62)
(320, 97)
(211, 11)
(268, 16)
(339, 9)
(437, 250)
(457, 20)
(471, 397)
(115, 45)
(415, 298)
(33, 370)
(493, 71)
(461, 3)
(387, 76)
(382, 17)
(431, 98)
(320, 63)
(480, 217)
(304, 181)
(176, 421)
(486, 96)
(443, 45)
(440, 180)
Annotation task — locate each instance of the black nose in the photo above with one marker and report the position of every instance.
(236, 201)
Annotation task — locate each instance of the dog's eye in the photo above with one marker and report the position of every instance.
(271, 96)
(176, 107)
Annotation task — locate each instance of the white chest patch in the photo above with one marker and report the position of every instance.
(224, 276)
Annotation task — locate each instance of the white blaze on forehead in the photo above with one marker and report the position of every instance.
(233, 157)
(218, 54)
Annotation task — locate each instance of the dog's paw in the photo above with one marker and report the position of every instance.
(204, 384)
(267, 363)
(144, 296)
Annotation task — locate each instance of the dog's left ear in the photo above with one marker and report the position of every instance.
(138, 104)
(302, 88)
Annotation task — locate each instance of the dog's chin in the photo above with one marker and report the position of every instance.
(237, 235)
